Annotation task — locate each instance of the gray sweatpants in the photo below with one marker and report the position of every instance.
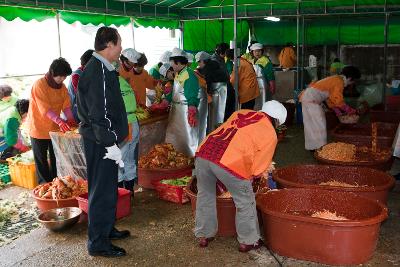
(247, 227)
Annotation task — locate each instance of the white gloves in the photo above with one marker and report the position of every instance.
(114, 153)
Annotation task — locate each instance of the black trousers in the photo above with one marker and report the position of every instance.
(102, 177)
(230, 101)
(40, 148)
(249, 104)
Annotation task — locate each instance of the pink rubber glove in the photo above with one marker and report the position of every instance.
(64, 127)
(161, 106)
(167, 90)
(338, 112)
(272, 87)
(70, 117)
(349, 110)
(20, 146)
(192, 119)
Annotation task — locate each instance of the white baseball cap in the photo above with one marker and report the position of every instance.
(177, 52)
(276, 110)
(189, 57)
(164, 58)
(164, 68)
(256, 46)
(201, 56)
(131, 54)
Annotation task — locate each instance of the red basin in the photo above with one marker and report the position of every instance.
(360, 134)
(290, 231)
(382, 164)
(226, 210)
(371, 183)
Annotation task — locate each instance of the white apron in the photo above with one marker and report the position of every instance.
(217, 106)
(262, 84)
(179, 133)
(396, 143)
(203, 113)
(314, 120)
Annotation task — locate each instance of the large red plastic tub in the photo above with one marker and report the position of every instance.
(226, 210)
(290, 231)
(384, 164)
(123, 203)
(382, 114)
(370, 183)
(360, 134)
(147, 176)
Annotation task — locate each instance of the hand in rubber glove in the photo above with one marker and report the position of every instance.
(64, 127)
(20, 146)
(347, 109)
(70, 117)
(192, 116)
(338, 112)
(167, 89)
(163, 105)
(272, 87)
(114, 153)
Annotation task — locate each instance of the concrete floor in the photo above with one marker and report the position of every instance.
(162, 234)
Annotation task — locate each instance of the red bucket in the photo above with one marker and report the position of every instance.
(123, 203)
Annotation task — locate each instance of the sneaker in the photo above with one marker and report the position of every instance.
(247, 248)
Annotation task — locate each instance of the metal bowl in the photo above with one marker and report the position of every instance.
(60, 218)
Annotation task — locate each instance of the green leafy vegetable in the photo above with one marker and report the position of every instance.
(178, 182)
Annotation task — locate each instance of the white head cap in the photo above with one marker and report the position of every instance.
(164, 68)
(256, 46)
(164, 58)
(201, 56)
(276, 110)
(131, 54)
(177, 52)
(190, 57)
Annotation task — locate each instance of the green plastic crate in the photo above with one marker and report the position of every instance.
(4, 173)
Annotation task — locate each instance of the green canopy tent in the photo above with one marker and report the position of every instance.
(207, 22)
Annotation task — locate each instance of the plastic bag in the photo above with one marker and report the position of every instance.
(370, 93)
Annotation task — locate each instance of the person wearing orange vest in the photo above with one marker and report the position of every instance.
(248, 89)
(132, 70)
(287, 57)
(238, 151)
(330, 90)
(49, 97)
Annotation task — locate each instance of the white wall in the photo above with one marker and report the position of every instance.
(28, 48)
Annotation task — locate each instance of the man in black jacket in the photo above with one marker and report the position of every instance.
(103, 126)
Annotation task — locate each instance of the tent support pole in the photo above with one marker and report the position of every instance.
(325, 62)
(298, 52)
(236, 61)
(385, 54)
(133, 31)
(303, 43)
(182, 42)
(58, 33)
(338, 38)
